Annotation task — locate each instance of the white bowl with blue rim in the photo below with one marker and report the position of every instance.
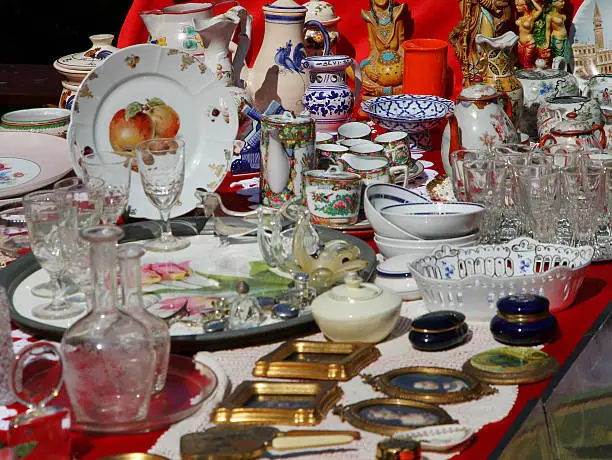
(411, 113)
(390, 247)
(431, 221)
(379, 196)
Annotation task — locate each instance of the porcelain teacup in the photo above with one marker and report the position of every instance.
(323, 138)
(329, 152)
(395, 147)
(354, 130)
(353, 142)
(369, 148)
(372, 168)
(332, 196)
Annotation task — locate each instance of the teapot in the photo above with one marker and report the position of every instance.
(575, 132)
(541, 83)
(478, 122)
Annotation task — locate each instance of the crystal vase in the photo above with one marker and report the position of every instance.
(108, 355)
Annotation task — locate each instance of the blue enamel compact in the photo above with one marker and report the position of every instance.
(523, 320)
(438, 330)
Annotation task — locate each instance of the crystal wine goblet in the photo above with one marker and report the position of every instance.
(44, 215)
(115, 172)
(161, 163)
(44, 289)
(82, 208)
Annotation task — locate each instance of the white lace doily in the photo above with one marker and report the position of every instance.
(396, 352)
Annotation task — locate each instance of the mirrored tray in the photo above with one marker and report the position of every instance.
(188, 385)
(200, 274)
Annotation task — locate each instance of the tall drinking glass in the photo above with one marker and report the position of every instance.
(44, 213)
(114, 171)
(456, 159)
(584, 192)
(161, 163)
(539, 188)
(485, 183)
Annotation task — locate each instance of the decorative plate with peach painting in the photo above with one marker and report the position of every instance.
(147, 91)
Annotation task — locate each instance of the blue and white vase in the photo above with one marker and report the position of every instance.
(328, 98)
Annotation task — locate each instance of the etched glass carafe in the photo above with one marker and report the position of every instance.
(108, 355)
(129, 262)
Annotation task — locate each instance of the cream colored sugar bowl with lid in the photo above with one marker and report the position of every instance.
(356, 311)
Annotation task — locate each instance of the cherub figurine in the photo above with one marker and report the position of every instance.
(490, 18)
(527, 49)
(383, 69)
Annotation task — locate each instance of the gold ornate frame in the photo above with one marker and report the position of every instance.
(351, 415)
(476, 389)
(235, 408)
(546, 370)
(355, 357)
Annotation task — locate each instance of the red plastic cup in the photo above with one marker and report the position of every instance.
(425, 66)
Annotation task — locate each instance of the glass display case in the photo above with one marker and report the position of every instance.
(571, 419)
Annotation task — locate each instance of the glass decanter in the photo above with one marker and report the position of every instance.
(108, 355)
(129, 262)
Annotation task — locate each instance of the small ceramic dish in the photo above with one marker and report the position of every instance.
(523, 320)
(378, 196)
(394, 274)
(354, 130)
(440, 438)
(52, 121)
(435, 220)
(438, 330)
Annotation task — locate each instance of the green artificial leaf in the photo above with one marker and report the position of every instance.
(24, 449)
(132, 109)
(258, 266)
(155, 101)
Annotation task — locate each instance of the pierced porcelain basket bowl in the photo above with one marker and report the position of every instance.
(471, 280)
(413, 114)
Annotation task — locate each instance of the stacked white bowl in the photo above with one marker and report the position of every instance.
(408, 226)
(405, 222)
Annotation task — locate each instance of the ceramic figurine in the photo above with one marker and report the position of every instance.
(498, 69)
(490, 18)
(328, 98)
(287, 151)
(557, 32)
(382, 70)
(278, 72)
(323, 12)
(525, 21)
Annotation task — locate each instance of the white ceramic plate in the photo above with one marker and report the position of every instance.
(168, 84)
(584, 34)
(30, 161)
(440, 438)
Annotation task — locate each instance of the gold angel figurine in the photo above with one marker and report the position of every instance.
(527, 49)
(490, 18)
(383, 69)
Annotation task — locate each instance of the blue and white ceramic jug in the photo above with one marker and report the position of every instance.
(328, 98)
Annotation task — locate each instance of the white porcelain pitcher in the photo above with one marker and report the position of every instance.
(278, 72)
